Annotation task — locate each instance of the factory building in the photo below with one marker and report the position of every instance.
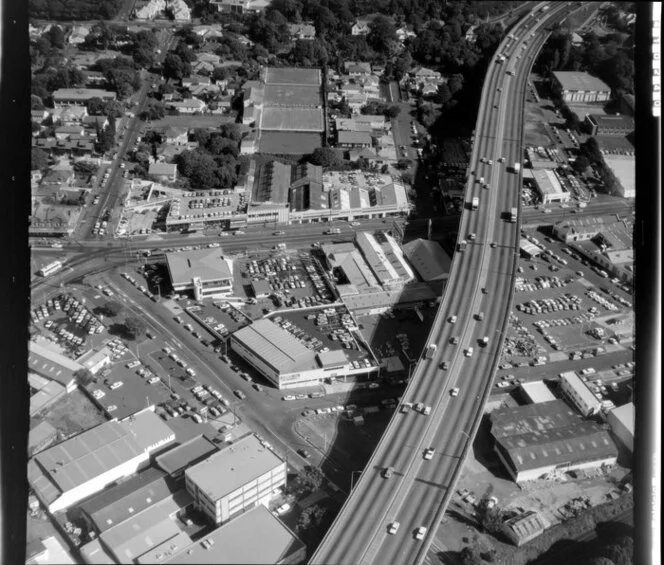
(206, 272)
(539, 440)
(621, 420)
(577, 392)
(237, 478)
(84, 464)
(548, 186)
(600, 124)
(429, 259)
(580, 87)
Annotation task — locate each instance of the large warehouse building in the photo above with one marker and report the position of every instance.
(206, 272)
(86, 463)
(535, 440)
(235, 479)
(580, 87)
(549, 187)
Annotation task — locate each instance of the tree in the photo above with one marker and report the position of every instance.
(56, 37)
(392, 111)
(154, 110)
(581, 164)
(382, 34)
(113, 109)
(455, 83)
(95, 106)
(84, 377)
(174, 67)
(36, 103)
(134, 327)
(112, 308)
(38, 159)
(34, 127)
(470, 556)
(309, 480)
(326, 157)
(618, 554)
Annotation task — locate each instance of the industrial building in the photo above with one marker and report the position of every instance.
(84, 464)
(537, 440)
(237, 478)
(579, 394)
(285, 361)
(429, 259)
(95, 360)
(548, 186)
(46, 552)
(580, 87)
(253, 537)
(206, 272)
(601, 124)
(176, 460)
(536, 392)
(524, 527)
(52, 366)
(621, 420)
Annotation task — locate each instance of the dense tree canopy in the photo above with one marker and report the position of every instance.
(73, 10)
(38, 159)
(326, 157)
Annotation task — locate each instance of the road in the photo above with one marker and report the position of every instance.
(418, 492)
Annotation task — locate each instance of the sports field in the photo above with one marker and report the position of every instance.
(287, 95)
(289, 143)
(291, 75)
(292, 119)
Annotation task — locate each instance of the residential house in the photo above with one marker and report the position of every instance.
(202, 67)
(69, 114)
(194, 80)
(353, 139)
(357, 69)
(188, 106)
(302, 31)
(429, 89)
(377, 122)
(240, 6)
(211, 31)
(364, 153)
(405, 32)
(163, 171)
(78, 35)
(59, 177)
(208, 57)
(248, 145)
(80, 96)
(424, 75)
(356, 101)
(64, 132)
(38, 116)
(175, 135)
(94, 78)
(95, 122)
(360, 27)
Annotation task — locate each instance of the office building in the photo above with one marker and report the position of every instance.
(205, 272)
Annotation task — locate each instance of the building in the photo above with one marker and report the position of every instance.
(237, 478)
(41, 436)
(114, 505)
(177, 9)
(353, 139)
(84, 464)
(429, 259)
(385, 259)
(580, 87)
(95, 361)
(46, 552)
(235, 542)
(206, 272)
(524, 527)
(536, 392)
(240, 6)
(52, 366)
(361, 27)
(188, 106)
(301, 31)
(273, 183)
(424, 75)
(192, 210)
(548, 186)
(538, 440)
(175, 461)
(80, 96)
(602, 124)
(621, 420)
(163, 171)
(579, 394)
(357, 68)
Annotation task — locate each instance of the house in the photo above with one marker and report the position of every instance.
(177, 9)
(207, 57)
(80, 96)
(364, 153)
(210, 31)
(69, 114)
(240, 6)
(64, 132)
(202, 67)
(78, 35)
(361, 27)
(163, 171)
(94, 78)
(249, 145)
(175, 135)
(38, 115)
(405, 32)
(302, 31)
(194, 80)
(422, 74)
(355, 101)
(357, 69)
(188, 106)
(429, 90)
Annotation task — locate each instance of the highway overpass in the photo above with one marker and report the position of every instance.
(482, 276)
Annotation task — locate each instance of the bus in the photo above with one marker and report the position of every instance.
(50, 269)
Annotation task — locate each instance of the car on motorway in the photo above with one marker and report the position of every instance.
(428, 453)
(452, 319)
(288, 397)
(98, 394)
(427, 410)
(239, 394)
(304, 453)
(454, 340)
(468, 352)
(454, 391)
(420, 533)
(388, 472)
(280, 232)
(405, 407)
(445, 365)
(111, 408)
(393, 528)
(257, 387)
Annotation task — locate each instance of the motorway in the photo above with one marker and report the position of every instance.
(417, 493)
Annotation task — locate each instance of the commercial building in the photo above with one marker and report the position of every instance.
(46, 552)
(549, 187)
(41, 436)
(196, 210)
(43, 393)
(80, 96)
(621, 420)
(52, 366)
(175, 461)
(429, 259)
(83, 465)
(580, 87)
(206, 272)
(542, 439)
(579, 394)
(95, 360)
(163, 171)
(385, 259)
(236, 542)
(524, 527)
(601, 124)
(237, 478)
(536, 392)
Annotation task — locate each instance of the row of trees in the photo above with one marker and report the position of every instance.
(73, 10)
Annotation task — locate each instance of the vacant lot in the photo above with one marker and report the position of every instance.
(72, 414)
(289, 143)
(536, 133)
(292, 119)
(292, 76)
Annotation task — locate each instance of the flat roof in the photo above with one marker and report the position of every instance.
(349, 136)
(533, 418)
(581, 388)
(571, 80)
(162, 169)
(612, 121)
(51, 365)
(428, 258)
(547, 182)
(236, 542)
(307, 120)
(292, 75)
(229, 469)
(625, 415)
(274, 345)
(114, 505)
(143, 531)
(292, 95)
(332, 358)
(186, 454)
(208, 264)
(537, 392)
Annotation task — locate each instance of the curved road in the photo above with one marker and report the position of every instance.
(417, 493)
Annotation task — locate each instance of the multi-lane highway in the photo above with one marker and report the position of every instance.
(482, 280)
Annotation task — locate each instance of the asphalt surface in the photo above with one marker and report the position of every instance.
(418, 492)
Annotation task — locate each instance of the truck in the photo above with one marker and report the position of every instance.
(431, 349)
(517, 167)
(475, 203)
(513, 215)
